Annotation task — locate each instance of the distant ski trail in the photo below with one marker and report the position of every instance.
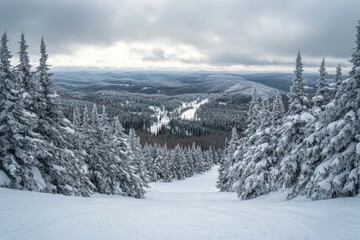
(188, 209)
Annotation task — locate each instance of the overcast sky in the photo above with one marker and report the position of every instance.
(262, 35)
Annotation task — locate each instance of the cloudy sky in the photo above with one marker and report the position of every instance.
(246, 35)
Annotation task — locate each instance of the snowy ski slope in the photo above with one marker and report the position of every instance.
(189, 209)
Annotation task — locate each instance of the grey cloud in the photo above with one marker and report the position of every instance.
(226, 58)
(226, 32)
(159, 55)
(156, 55)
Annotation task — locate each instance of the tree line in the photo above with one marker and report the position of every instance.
(311, 150)
(41, 150)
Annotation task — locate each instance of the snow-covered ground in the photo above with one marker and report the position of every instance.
(190, 113)
(188, 209)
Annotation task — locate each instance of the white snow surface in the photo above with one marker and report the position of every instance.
(358, 148)
(246, 87)
(38, 178)
(69, 130)
(190, 113)
(4, 179)
(188, 209)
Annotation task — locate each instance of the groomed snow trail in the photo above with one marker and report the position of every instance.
(190, 113)
(189, 209)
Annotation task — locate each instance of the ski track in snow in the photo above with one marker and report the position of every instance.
(188, 209)
(190, 113)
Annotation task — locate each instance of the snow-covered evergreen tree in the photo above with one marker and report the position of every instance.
(206, 157)
(179, 162)
(226, 172)
(265, 120)
(85, 119)
(189, 168)
(76, 116)
(20, 145)
(159, 161)
(253, 114)
(137, 156)
(194, 158)
(167, 174)
(103, 118)
(278, 110)
(254, 168)
(24, 67)
(154, 161)
(297, 99)
(62, 171)
(338, 76)
(131, 183)
(94, 117)
(291, 133)
(355, 56)
(214, 155)
(323, 93)
(148, 157)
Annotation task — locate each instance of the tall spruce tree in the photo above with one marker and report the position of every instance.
(338, 76)
(254, 170)
(131, 183)
(137, 156)
(76, 117)
(265, 120)
(24, 67)
(167, 174)
(322, 96)
(355, 56)
(147, 153)
(179, 162)
(63, 172)
(253, 116)
(278, 110)
(226, 171)
(292, 133)
(297, 99)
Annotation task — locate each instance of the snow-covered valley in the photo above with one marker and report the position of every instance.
(187, 209)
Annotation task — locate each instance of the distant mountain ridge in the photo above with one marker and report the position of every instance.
(166, 83)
